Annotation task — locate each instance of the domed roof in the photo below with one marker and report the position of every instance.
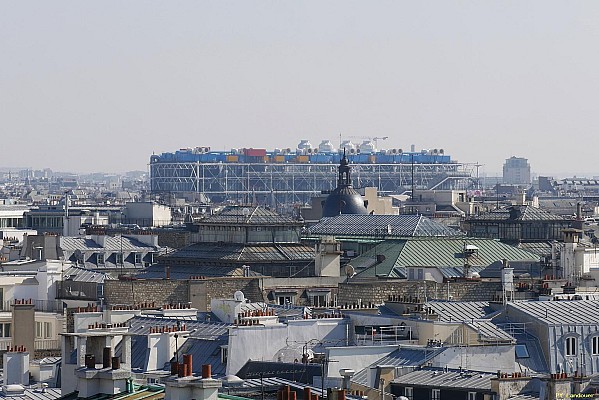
(344, 199)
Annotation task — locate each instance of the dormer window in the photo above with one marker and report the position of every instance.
(119, 258)
(571, 346)
(138, 257)
(100, 258)
(595, 346)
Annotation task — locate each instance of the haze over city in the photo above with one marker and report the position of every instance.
(101, 86)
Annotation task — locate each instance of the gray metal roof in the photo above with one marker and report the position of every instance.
(437, 378)
(140, 325)
(278, 382)
(517, 213)
(247, 215)
(183, 272)
(535, 362)
(77, 274)
(205, 351)
(202, 334)
(251, 253)
(381, 226)
(574, 312)
(402, 357)
(459, 310)
(526, 396)
(35, 394)
(489, 332)
(112, 243)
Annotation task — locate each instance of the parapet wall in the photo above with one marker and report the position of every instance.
(365, 293)
(137, 291)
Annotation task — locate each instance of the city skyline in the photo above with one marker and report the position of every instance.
(100, 87)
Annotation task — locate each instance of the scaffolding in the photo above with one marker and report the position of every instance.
(297, 183)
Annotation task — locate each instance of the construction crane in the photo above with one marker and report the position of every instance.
(371, 138)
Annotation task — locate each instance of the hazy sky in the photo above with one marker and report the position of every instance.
(99, 86)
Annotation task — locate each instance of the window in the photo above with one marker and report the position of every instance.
(570, 346)
(119, 258)
(224, 354)
(521, 351)
(436, 394)
(471, 395)
(5, 330)
(319, 301)
(409, 393)
(138, 258)
(100, 258)
(47, 330)
(43, 330)
(595, 345)
(285, 300)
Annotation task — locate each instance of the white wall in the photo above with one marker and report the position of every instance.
(266, 342)
(158, 214)
(355, 357)
(478, 358)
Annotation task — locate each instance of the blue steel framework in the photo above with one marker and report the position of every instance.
(295, 178)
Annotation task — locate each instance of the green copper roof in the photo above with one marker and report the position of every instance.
(436, 252)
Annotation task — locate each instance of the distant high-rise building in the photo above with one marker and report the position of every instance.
(516, 171)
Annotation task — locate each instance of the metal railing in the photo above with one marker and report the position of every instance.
(77, 290)
(385, 335)
(54, 306)
(38, 344)
(46, 344)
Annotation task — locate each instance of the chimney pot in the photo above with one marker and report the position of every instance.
(206, 371)
(106, 357)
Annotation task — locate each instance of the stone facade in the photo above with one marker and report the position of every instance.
(137, 291)
(202, 291)
(366, 293)
(176, 239)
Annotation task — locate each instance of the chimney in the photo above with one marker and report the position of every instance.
(189, 387)
(113, 376)
(23, 322)
(162, 346)
(206, 371)
(16, 367)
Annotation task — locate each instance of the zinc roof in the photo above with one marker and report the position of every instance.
(202, 330)
(84, 275)
(244, 253)
(247, 215)
(488, 331)
(205, 351)
(402, 357)
(112, 243)
(184, 272)
(452, 311)
(35, 394)
(518, 213)
(574, 312)
(381, 226)
(436, 378)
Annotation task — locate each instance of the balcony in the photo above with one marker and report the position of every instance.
(74, 290)
(38, 344)
(53, 306)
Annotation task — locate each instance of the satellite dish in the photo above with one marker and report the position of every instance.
(238, 296)
(350, 271)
